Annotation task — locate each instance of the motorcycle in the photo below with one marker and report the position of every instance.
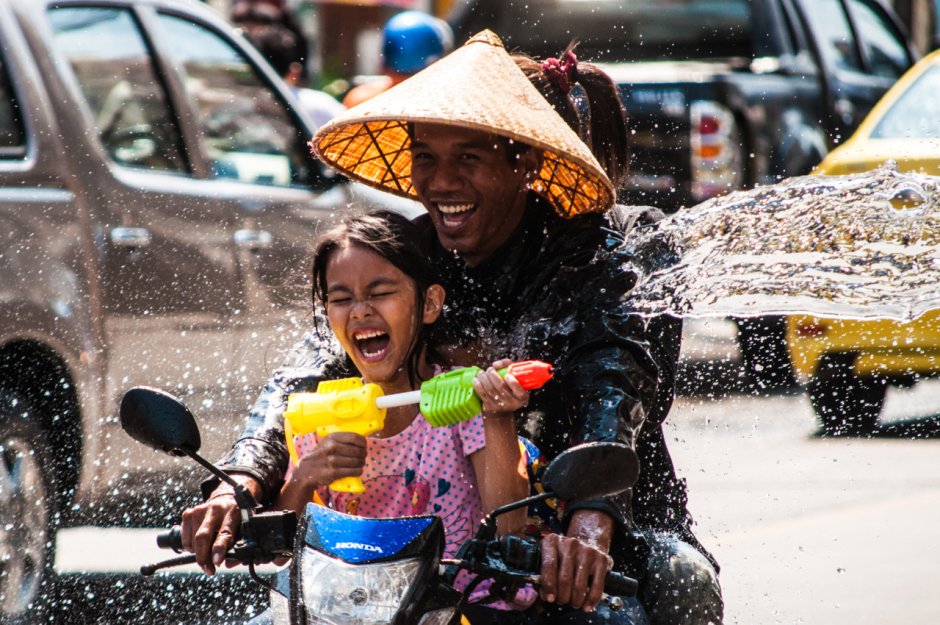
(352, 570)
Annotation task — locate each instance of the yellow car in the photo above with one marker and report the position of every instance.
(848, 365)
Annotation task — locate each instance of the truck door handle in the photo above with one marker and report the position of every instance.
(252, 239)
(126, 236)
(844, 108)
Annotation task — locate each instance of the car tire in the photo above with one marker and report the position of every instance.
(764, 352)
(846, 404)
(27, 514)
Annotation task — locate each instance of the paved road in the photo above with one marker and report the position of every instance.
(815, 530)
(808, 530)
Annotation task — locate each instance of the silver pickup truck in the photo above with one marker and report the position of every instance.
(157, 202)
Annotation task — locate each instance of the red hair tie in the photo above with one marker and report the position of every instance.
(563, 71)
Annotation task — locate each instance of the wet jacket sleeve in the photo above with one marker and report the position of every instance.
(261, 450)
(608, 374)
(615, 380)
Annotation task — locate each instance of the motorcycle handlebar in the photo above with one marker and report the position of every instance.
(526, 555)
(265, 536)
(171, 539)
(619, 584)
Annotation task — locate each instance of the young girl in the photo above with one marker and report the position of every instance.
(381, 296)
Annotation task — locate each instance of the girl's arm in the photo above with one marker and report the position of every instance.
(341, 454)
(500, 465)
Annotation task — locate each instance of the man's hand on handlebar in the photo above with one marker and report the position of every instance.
(574, 566)
(210, 529)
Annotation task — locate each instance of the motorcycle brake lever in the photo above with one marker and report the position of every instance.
(149, 569)
(488, 571)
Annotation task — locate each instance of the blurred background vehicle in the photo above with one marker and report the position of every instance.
(282, 43)
(849, 365)
(157, 201)
(721, 95)
(344, 34)
(411, 40)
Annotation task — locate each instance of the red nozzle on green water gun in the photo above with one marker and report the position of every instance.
(449, 398)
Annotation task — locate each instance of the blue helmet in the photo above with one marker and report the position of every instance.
(412, 40)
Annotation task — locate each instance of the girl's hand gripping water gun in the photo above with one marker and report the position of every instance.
(449, 398)
(348, 405)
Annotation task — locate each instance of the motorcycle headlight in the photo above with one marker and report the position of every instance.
(345, 594)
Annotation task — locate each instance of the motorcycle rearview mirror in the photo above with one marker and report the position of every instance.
(163, 423)
(585, 471)
(591, 470)
(159, 421)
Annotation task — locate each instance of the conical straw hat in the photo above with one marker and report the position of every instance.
(477, 86)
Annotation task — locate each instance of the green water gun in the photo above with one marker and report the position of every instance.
(449, 398)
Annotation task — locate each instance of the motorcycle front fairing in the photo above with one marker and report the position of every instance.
(350, 570)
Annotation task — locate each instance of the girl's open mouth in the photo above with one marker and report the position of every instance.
(372, 344)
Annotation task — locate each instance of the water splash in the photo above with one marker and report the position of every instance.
(863, 246)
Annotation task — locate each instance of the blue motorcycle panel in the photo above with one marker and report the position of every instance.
(357, 539)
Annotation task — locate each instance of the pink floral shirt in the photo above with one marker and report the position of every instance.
(420, 470)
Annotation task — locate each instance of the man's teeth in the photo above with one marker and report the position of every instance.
(368, 334)
(453, 209)
(372, 354)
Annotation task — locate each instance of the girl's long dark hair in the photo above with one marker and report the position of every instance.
(400, 242)
(605, 130)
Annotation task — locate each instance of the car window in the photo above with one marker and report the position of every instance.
(620, 30)
(935, 42)
(792, 38)
(916, 114)
(249, 133)
(129, 106)
(12, 137)
(885, 52)
(833, 33)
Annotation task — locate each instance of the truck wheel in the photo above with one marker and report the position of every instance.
(845, 403)
(27, 514)
(764, 352)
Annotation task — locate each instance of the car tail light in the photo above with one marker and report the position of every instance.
(708, 125)
(717, 153)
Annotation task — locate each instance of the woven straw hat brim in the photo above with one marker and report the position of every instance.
(478, 87)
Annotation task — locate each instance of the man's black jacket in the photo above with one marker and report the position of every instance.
(555, 291)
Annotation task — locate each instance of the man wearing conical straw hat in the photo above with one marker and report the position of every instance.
(534, 266)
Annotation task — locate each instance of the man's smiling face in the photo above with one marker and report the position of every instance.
(473, 192)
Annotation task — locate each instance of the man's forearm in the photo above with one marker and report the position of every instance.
(593, 527)
(261, 450)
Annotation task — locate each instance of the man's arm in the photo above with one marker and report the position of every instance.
(609, 381)
(575, 566)
(261, 451)
(259, 457)
(608, 374)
